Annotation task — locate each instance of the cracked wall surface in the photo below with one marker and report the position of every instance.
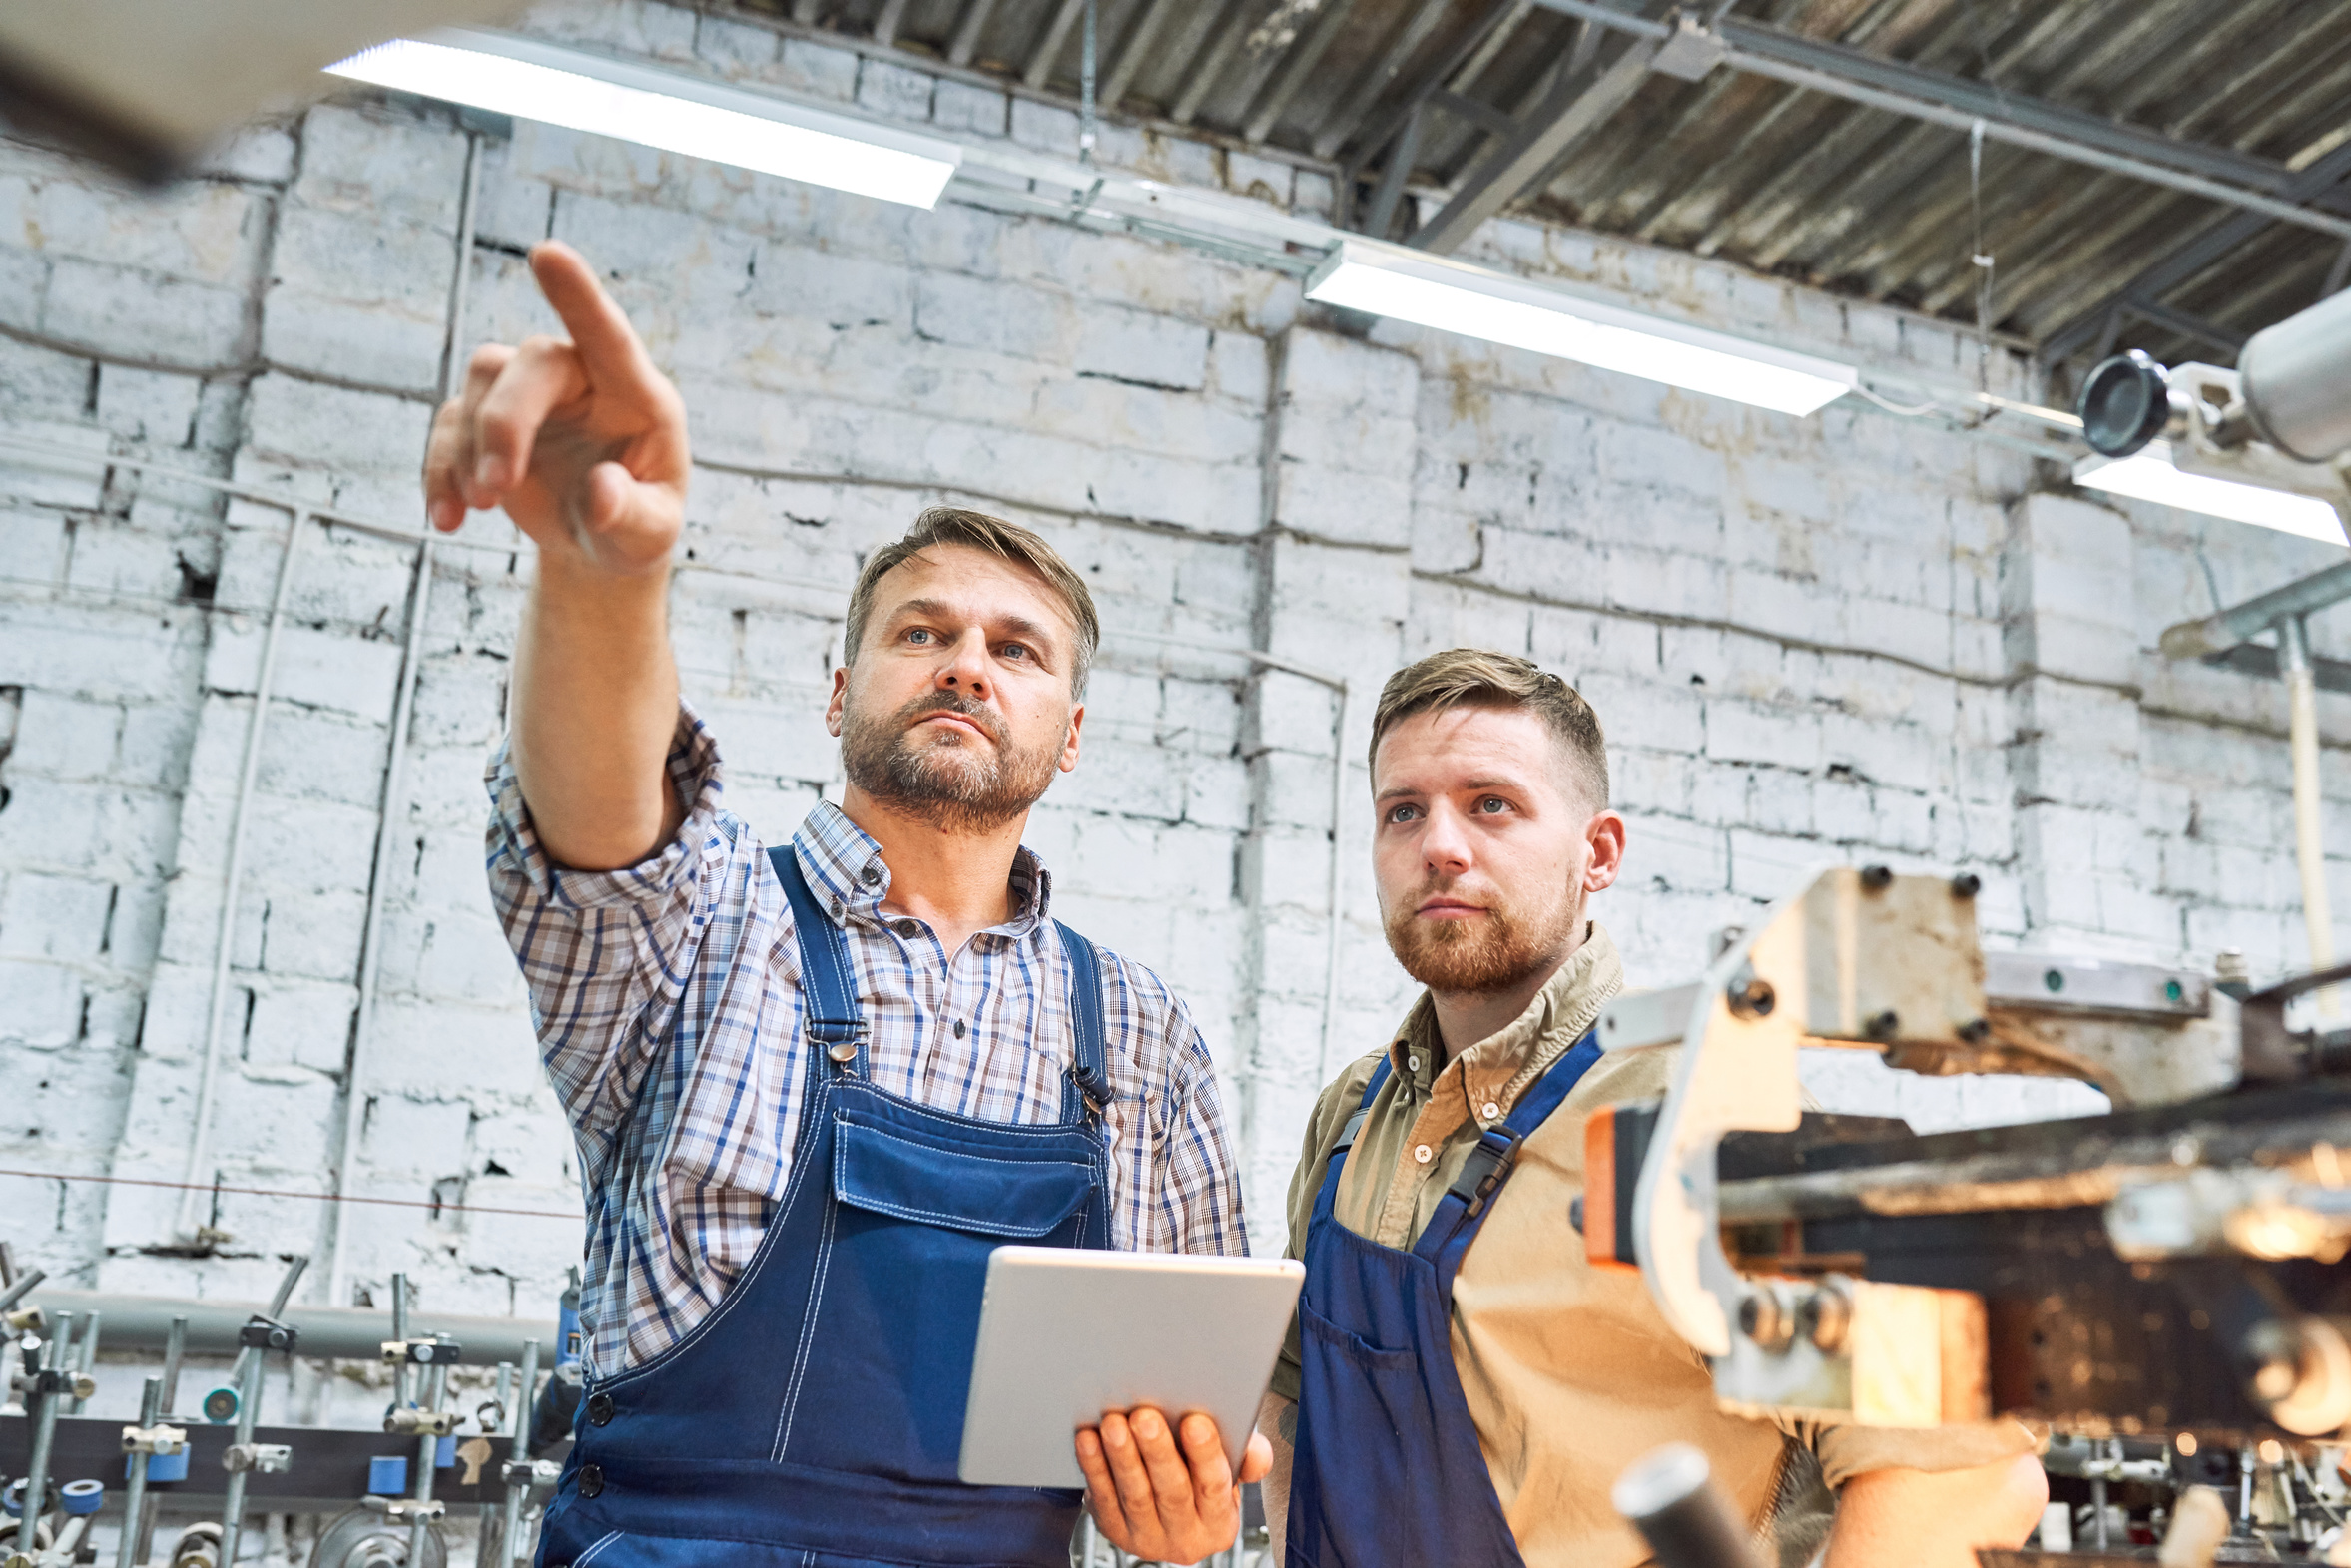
(1849, 637)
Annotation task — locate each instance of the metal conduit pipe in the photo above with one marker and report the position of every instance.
(2293, 650)
(396, 762)
(144, 1322)
(207, 1077)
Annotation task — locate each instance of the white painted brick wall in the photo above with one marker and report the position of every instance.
(1848, 637)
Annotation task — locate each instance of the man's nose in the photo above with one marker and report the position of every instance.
(966, 669)
(1444, 844)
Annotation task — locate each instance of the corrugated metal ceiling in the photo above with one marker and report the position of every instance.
(1780, 178)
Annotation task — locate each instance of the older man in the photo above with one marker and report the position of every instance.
(1461, 1387)
(814, 1086)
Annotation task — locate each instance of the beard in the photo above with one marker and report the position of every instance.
(947, 777)
(1490, 954)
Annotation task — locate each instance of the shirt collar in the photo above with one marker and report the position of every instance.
(844, 869)
(1499, 1067)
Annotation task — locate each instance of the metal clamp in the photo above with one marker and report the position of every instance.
(411, 1422)
(257, 1458)
(530, 1472)
(406, 1509)
(421, 1352)
(158, 1439)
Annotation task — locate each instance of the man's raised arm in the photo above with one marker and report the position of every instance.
(584, 444)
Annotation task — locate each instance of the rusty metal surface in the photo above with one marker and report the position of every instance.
(1778, 178)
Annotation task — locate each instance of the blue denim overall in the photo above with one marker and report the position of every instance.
(814, 1418)
(1388, 1471)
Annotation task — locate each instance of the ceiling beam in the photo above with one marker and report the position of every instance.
(1342, 127)
(886, 24)
(2331, 173)
(1403, 152)
(1048, 49)
(1304, 55)
(1960, 103)
(2210, 333)
(1136, 50)
(1575, 107)
(966, 40)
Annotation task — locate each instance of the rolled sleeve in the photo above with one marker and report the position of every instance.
(1846, 1451)
(605, 954)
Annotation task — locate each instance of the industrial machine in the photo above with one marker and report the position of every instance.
(389, 1490)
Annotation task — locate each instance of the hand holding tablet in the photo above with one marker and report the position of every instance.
(1071, 1341)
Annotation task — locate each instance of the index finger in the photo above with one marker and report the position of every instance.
(609, 349)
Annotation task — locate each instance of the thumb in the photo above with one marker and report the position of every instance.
(630, 520)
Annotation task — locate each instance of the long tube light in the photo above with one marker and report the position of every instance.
(2149, 475)
(668, 110)
(1431, 290)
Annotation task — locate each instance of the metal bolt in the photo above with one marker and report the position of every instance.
(1764, 1320)
(2054, 979)
(1824, 1318)
(1877, 878)
(1751, 996)
(1965, 885)
(1975, 1030)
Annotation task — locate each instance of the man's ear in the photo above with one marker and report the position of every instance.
(1077, 717)
(838, 706)
(1605, 834)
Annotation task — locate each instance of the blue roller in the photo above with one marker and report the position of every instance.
(82, 1496)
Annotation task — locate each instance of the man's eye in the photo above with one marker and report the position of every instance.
(917, 635)
(1015, 651)
(1404, 814)
(1493, 805)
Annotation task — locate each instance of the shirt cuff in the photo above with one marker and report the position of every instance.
(1848, 1451)
(695, 774)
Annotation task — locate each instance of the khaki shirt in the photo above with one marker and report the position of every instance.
(1569, 1372)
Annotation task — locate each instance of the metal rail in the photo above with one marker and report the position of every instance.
(2032, 124)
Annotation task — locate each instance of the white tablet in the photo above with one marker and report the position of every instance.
(1066, 1334)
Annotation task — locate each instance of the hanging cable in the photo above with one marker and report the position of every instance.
(1980, 258)
(1085, 91)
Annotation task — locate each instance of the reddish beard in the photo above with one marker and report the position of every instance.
(1489, 952)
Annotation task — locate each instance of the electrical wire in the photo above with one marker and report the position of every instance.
(279, 1192)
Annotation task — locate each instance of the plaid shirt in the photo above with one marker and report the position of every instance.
(668, 1006)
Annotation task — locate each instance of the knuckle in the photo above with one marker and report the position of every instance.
(489, 357)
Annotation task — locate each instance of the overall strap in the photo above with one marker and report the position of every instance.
(1329, 1194)
(828, 986)
(1089, 1076)
(1462, 1212)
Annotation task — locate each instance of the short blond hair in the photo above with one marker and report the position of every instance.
(952, 525)
(1479, 677)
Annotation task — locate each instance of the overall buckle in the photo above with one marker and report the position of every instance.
(1488, 1167)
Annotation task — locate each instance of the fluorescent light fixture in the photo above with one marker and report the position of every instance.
(1430, 290)
(2149, 475)
(665, 108)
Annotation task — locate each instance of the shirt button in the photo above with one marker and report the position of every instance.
(591, 1482)
(1412, 1062)
(871, 876)
(958, 1028)
(1492, 1110)
(1424, 1154)
(600, 1408)
(908, 929)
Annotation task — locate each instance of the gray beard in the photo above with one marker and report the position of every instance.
(948, 778)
